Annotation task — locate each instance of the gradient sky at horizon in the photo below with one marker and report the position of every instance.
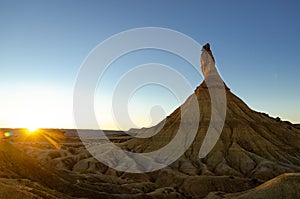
(43, 44)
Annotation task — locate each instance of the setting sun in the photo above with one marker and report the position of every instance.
(32, 129)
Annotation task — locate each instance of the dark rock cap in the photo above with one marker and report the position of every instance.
(206, 47)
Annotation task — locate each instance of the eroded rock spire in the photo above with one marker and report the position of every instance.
(207, 60)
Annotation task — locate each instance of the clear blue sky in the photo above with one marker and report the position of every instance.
(43, 43)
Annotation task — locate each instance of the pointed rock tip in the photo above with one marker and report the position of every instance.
(208, 67)
(206, 48)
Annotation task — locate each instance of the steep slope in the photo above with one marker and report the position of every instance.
(251, 145)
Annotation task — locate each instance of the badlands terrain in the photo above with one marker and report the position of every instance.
(256, 156)
(34, 167)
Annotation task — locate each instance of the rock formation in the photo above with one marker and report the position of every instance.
(252, 149)
(252, 144)
(207, 59)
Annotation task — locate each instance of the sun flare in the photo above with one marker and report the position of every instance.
(32, 129)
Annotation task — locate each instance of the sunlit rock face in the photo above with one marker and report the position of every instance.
(207, 60)
(211, 75)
